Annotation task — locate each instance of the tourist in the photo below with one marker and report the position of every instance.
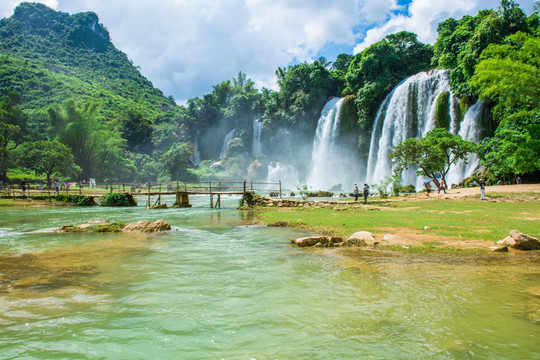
(482, 189)
(56, 186)
(356, 192)
(366, 192)
(23, 186)
(442, 186)
(428, 187)
(518, 180)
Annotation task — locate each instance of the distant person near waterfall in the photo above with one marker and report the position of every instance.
(366, 192)
(356, 192)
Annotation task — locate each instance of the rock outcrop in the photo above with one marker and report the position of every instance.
(520, 241)
(361, 238)
(145, 226)
(318, 241)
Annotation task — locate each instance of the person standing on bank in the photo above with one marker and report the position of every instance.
(482, 189)
(442, 186)
(366, 192)
(355, 192)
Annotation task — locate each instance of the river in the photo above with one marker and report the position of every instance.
(216, 287)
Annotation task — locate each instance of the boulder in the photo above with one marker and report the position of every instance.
(146, 226)
(318, 241)
(499, 248)
(520, 241)
(361, 238)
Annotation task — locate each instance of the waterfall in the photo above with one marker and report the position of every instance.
(196, 157)
(331, 163)
(257, 145)
(470, 129)
(286, 173)
(408, 111)
(228, 138)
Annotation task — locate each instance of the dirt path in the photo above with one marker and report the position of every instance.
(475, 191)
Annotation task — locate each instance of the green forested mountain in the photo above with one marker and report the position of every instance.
(63, 80)
(49, 56)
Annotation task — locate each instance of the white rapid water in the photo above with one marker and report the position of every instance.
(331, 163)
(470, 129)
(408, 111)
(196, 157)
(287, 174)
(257, 145)
(228, 138)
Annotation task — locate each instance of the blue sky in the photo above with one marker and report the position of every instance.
(186, 46)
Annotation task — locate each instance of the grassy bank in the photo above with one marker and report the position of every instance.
(448, 220)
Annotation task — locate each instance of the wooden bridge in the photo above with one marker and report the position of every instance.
(182, 190)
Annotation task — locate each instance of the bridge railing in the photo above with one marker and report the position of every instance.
(199, 187)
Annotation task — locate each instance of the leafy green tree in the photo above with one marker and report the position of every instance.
(137, 130)
(460, 42)
(47, 157)
(12, 129)
(515, 148)
(96, 149)
(433, 153)
(509, 74)
(176, 160)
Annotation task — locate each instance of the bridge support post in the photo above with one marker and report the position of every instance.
(182, 199)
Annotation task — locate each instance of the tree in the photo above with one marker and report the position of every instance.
(509, 74)
(433, 154)
(176, 160)
(12, 127)
(47, 157)
(515, 148)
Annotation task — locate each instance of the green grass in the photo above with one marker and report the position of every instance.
(458, 219)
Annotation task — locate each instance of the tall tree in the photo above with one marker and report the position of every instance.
(433, 154)
(12, 129)
(47, 157)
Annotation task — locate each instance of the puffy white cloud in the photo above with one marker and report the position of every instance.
(423, 16)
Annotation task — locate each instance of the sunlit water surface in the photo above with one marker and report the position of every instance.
(216, 287)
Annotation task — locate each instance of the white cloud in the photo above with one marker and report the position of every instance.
(185, 46)
(424, 15)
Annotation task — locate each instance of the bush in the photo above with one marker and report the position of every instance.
(114, 199)
(76, 199)
(408, 189)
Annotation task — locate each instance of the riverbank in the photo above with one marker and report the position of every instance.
(455, 222)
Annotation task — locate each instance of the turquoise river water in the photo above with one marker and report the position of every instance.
(216, 287)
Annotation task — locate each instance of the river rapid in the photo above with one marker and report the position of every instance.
(217, 287)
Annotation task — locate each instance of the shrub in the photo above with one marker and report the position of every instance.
(115, 199)
(76, 199)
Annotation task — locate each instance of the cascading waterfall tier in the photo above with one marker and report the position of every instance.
(257, 144)
(331, 163)
(409, 111)
(228, 138)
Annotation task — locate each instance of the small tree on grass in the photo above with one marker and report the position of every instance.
(47, 157)
(433, 154)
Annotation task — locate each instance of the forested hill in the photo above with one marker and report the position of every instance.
(49, 56)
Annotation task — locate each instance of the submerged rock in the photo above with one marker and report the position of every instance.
(94, 226)
(146, 226)
(520, 241)
(318, 241)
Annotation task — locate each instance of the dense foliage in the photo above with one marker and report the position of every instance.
(65, 86)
